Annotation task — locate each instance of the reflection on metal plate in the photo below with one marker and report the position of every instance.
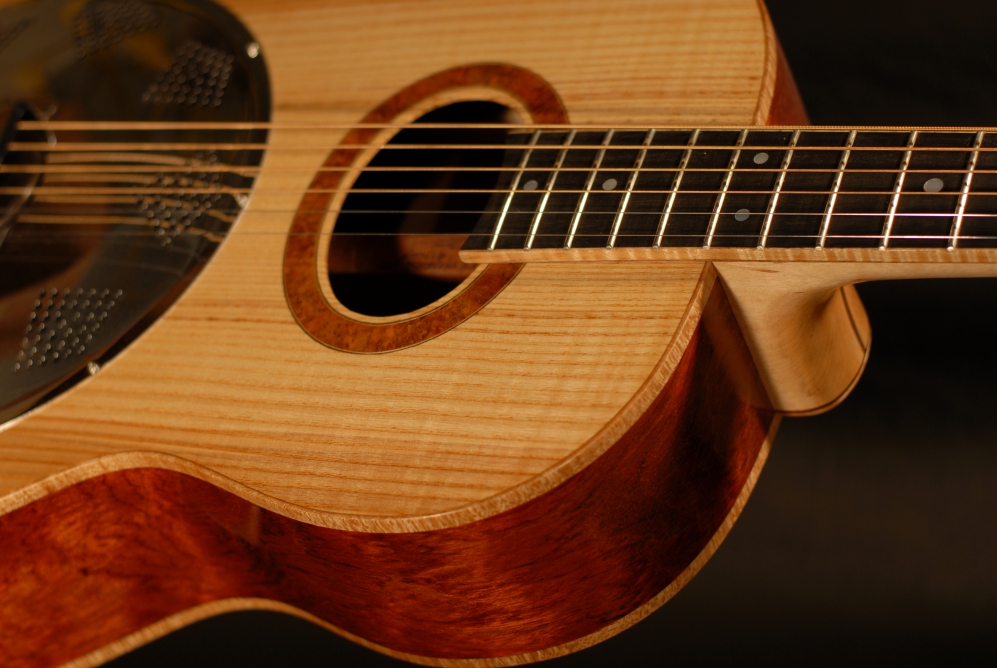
(96, 244)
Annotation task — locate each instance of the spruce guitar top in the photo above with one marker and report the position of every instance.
(462, 330)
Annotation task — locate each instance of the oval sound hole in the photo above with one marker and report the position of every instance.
(395, 252)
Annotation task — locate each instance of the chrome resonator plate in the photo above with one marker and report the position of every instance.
(103, 227)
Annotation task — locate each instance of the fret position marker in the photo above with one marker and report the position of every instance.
(761, 158)
(530, 185)
(967, 181)
(933, 185)
(742, 215)
(609, 184)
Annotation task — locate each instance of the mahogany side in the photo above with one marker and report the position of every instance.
(109, 556)
(787, 105)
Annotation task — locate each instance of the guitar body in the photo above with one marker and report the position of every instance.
(531, 476)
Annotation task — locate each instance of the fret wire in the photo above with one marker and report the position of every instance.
(152, 149)
(551, 178)
(853, 214)
(895, 200)
(964, 196)
(105, 170)
(825, 224)
(673, 193)
(70, 219)
(93, 190)
(512, 191)
(723, 191)
(135, 126)
(770, 214)
(856, 214)
(588, 187)
(631, 182)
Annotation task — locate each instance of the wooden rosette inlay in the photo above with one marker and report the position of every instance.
(309, 305)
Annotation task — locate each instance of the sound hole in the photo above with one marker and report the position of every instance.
(395, 252)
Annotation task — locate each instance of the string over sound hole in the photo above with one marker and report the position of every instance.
(395, 242)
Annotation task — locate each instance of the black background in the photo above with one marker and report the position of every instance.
(871, 534)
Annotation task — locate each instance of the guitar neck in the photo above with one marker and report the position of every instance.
(776, 194)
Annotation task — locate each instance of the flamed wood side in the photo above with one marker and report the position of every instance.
(552, 572)
(264, 465)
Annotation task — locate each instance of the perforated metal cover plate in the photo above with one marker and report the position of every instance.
(82, 276)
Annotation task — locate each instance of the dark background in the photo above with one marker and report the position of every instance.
(871, 534)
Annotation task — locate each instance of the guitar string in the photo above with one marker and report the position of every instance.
(144, 222)
(91, 190)
(787, 214)
(82, 221)
(32, 224)
(235, 169)
(118, 146)
(506, 147)
(62, 147)
(749, 240)
(129, 199)
(54, 125)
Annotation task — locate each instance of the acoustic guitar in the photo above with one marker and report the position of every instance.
(462, 330)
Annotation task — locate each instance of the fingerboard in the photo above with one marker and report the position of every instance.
(755, 192)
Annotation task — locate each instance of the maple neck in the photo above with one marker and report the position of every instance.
(751, 193)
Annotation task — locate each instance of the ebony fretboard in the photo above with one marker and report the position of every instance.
(758, 188)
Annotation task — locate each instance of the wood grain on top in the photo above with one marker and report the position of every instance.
(493, 412)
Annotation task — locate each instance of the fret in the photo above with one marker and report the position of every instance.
(835, 189)
(780, 179)
(595, 226)
(892, 213)
(723, 189)
(566, 192)
(931, 191)
(967, 182)
(639, 222)
(631, 182)
(524, 161)
(979, 222)
(588, 189)
(548, 188)
(867, 187)
(674, 191)
(748, 191)
(752, 188)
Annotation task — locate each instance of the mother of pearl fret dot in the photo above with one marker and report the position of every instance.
(530, 185)
(933, 185)
(609, 184)
(761, 158)
(741, 215)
